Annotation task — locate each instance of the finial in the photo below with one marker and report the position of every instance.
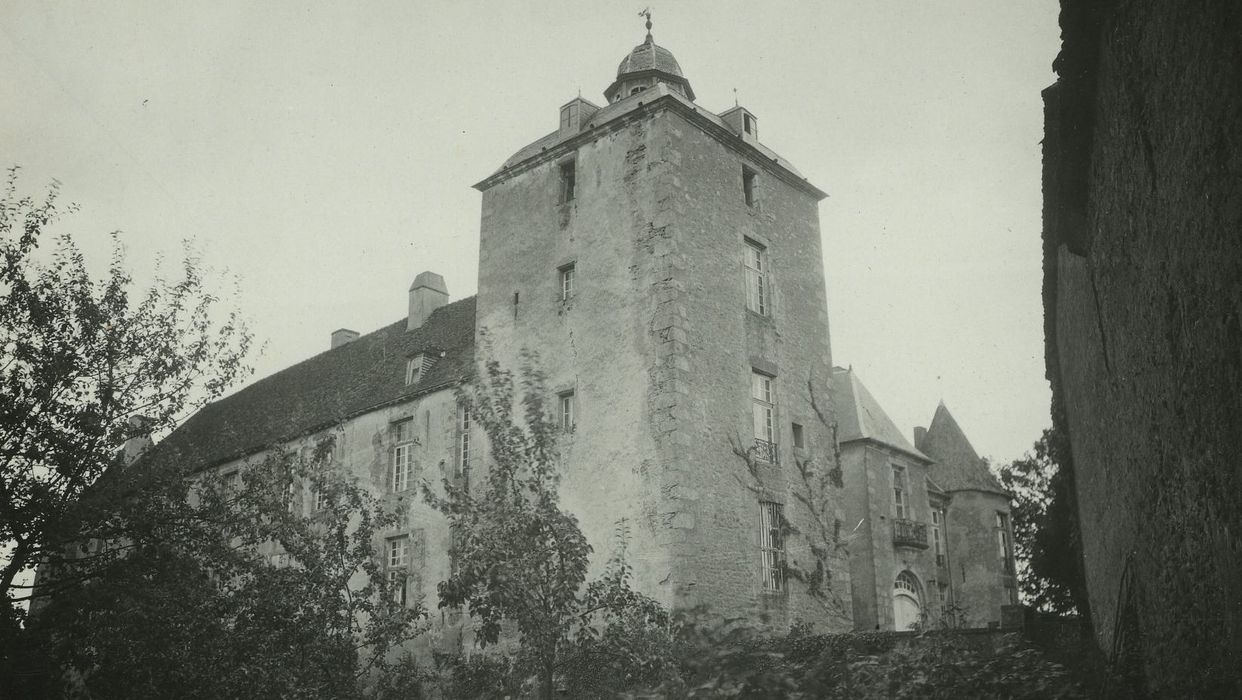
(647, 13)
(734, 97)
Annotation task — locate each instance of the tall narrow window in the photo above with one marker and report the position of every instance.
(398, 564)
(772, 546)
(798, 440)
(567, 410)
(937, 524)
(748, 123)
(901, 508)
(1003, 541)
(566, 274)
(417, 365)
(463, 456)
(757, 279)
(402, 454)
(568, 181)
(748, 186)
(763, 413)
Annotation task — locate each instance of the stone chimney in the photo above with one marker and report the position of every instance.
(342, 336)
(427, 294)
(139, 439)
(920, 433)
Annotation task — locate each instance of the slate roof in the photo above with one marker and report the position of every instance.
(649, 56)
(332, 386)
(622, 107)
(859, 416)
(957, 466)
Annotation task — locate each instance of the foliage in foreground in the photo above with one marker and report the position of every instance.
(80, 357)
(1047, 542)
(191, 608)
(691, 658)
(518, 557)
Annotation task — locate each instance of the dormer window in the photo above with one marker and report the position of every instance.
(748, 124)
(416, 367)
(569, 116)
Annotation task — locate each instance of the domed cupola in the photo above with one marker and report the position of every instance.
(644, 67)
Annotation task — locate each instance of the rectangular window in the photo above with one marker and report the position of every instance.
(763, 415)
(748, 186)
(402, 454)
(772, 546)
(937, 524)
(398, 562)
(1003, 542)
(799, 441)
(321, 500)
(900, 506)
(413, 368)
(567, 281)
(568, 182)
(757, 279)
(748, 123)
(463, 457)
(567, 407)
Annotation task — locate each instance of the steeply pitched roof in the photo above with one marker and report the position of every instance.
(859, 416)
(343, 382)
(957, 466)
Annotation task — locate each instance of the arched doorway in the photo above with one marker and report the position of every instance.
(907, 601)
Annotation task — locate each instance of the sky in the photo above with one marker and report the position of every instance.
(323, 153)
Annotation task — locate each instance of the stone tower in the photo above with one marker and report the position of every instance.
(667, 268)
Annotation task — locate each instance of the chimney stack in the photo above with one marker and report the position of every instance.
(427, 294)
(342, 336)
(919, 434)
(139, 439)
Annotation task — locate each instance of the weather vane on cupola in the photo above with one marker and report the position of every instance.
(647, 13)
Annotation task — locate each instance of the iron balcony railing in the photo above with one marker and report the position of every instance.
(908, 533)
(766, 451)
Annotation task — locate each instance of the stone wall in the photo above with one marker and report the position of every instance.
(1143, 299)
(875, 561)
(363, 448)
(975, 564)
(658, 346)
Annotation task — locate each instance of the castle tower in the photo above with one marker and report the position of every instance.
(667, 268)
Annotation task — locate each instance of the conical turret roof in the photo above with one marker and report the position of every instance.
(860, 417)
(957, 466)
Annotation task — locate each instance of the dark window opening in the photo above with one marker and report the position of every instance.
(748, 186)
(797, 436)
(748, 123)
(567, 182)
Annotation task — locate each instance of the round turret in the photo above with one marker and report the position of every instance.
(644, 67)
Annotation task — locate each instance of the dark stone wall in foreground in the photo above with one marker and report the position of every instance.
(1143, 314)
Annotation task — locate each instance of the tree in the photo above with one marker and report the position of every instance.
(189, 593)
(1047, 542)
(517, 556)
(79, 357)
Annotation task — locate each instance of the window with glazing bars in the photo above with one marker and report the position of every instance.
(402, 454)
(757, 295)
(763, 413)
(900, 507)
(1003, 541)
(567, 281)
(567, 409)
(937, 523)
(398, 562)
(463, 456)
(772, 546)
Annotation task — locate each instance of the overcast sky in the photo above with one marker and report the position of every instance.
(325, 152)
